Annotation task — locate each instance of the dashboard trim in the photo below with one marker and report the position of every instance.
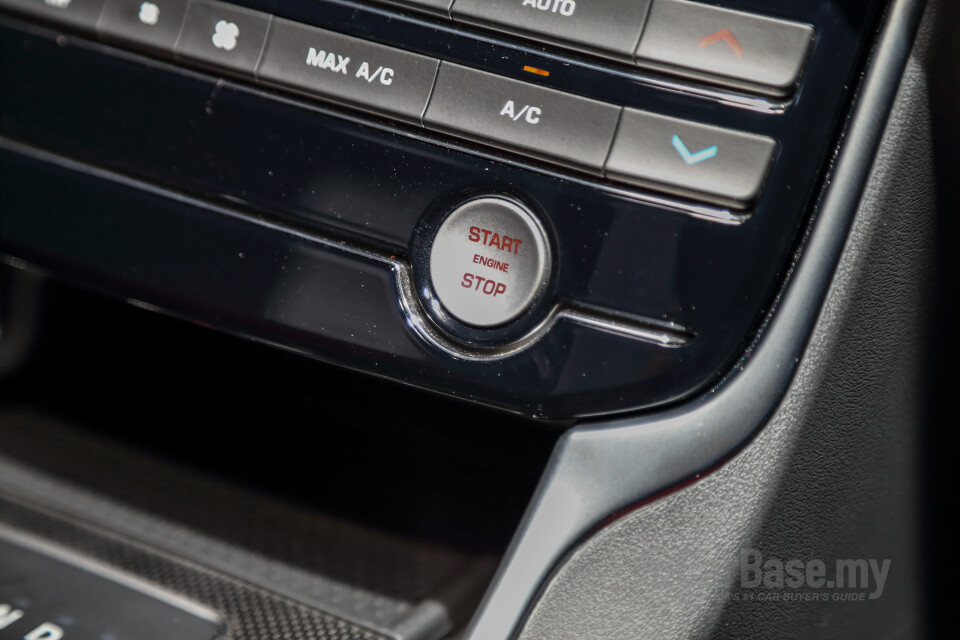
(600, 470)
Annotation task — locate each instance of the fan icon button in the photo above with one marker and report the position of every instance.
(225, 35)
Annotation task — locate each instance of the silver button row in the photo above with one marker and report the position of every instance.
(699, 41)
(676, 156)
(681, 157)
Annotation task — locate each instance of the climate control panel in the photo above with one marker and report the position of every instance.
(553, 126)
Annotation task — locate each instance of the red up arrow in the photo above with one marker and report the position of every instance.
(726, 36)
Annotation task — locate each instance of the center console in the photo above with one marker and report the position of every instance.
(560, 209)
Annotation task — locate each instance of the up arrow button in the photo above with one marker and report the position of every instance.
(724, 35)
(747, 51)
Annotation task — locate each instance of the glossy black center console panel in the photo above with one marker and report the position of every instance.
(301, 223)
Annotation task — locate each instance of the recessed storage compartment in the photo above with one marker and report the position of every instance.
(373, 501)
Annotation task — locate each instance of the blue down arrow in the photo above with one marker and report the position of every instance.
(693, 158)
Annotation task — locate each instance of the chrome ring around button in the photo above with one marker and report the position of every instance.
(489, 261)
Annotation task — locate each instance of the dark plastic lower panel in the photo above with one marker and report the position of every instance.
(244, 275)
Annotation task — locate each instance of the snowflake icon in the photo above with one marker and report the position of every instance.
(149, 13)
(225, 35)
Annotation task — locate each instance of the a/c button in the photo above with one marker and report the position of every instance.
(521, 116)
(489, 261)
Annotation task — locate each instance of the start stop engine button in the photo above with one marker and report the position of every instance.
(489, 260)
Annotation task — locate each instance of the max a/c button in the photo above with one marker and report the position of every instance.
(351, 71)
(489, 261)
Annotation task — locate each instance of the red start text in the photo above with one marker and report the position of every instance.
(493, 239)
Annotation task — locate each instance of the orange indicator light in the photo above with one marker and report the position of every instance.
(539, 72)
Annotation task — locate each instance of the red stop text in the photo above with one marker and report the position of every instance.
(483, 285)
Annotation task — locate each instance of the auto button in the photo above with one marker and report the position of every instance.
(609, 26)
(489, 261)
